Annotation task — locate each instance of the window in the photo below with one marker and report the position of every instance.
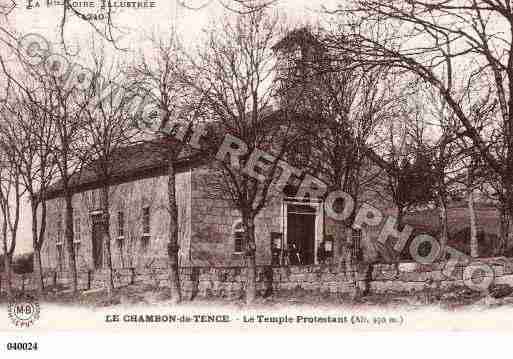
(356, 239)
(58, 243)
(238, 237)
(60, 256)
(93, 199)
(145, 243)
(239, 242)
(76, 248)
(146, 221)
(59, 228)
(121, 224)
(78, 237)
(77, 231)
(120, 242)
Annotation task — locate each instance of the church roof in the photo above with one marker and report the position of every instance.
(140, 160)
(150, 158)
(147, 159)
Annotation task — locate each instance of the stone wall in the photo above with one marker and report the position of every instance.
(132, 249)
(206, 223)
(214, 218)
(228, 282)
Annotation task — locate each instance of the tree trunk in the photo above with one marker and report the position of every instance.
(38, 270)
(367, 279)
(173, 247)
(399, 224)
(507, 216)
(369, 257)
(7, 272)
(251, 290)
(400, 217)
(106, 235)
(503, 231)
(350, 266)
(474, 245)
(442, 216)
(508, 231)
(38, 267)
(508, 249)
(68, 230)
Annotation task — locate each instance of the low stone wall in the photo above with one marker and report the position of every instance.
(228, 282)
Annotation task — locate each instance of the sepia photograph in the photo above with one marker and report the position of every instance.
(254, 166)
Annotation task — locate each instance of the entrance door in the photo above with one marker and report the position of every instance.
(97, 238)
(301, 233)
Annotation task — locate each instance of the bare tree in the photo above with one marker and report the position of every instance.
(408, 180)
(61, 104)
(27, 133)
(109, 127)
(437, 167)
(232, 73)
(471, 183)
(456, 163)
(66, 110)
(156, 79)
(10, 199)
(475, 177)
(458, 48)
(346, 105)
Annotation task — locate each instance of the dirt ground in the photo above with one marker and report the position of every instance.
(460, 298)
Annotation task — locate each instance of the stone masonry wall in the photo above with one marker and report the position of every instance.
(213, 220)
(132, 249)
(228, 282)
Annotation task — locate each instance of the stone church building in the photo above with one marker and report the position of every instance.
(210, 228)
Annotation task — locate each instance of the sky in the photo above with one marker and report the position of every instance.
(135, 28)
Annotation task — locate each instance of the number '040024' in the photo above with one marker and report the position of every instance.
(22, 346)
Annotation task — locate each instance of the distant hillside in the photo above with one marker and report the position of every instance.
(459, 226)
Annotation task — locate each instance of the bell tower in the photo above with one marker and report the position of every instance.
(300, 57)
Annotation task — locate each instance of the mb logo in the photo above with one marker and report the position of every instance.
(23, 310)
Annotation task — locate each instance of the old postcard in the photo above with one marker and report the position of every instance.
(255, 165)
